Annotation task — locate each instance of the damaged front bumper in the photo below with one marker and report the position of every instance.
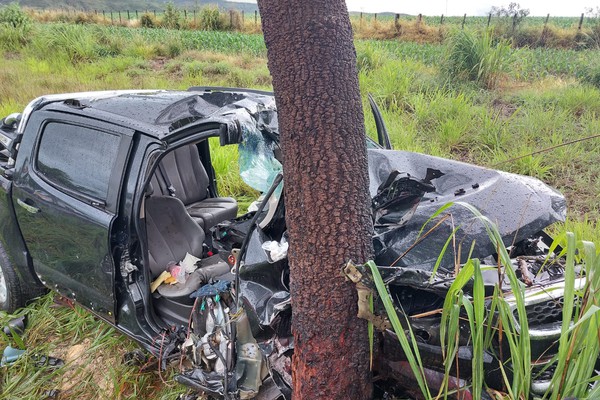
(543, 302)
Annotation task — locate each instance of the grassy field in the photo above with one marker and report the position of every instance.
(537, 99)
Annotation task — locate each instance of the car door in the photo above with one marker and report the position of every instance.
(66, 197)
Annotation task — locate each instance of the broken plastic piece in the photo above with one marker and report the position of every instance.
(135, 357)
(16, 326)
(42, 361)
(11, 355)
(51, 394)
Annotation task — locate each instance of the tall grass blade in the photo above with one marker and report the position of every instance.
(410, 350)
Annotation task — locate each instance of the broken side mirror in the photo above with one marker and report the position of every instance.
(230, 133)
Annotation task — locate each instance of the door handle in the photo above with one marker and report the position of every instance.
(27, 207)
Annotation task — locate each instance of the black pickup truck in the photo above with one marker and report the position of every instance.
(110, 199)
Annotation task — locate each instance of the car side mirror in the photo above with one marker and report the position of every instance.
(11, 121)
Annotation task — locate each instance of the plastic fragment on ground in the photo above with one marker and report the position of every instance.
(16, 325)
(44, 361)
(10, 355)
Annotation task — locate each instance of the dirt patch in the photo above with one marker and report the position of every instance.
(157, 64)
(9, 55)
(82, 365)
(504, 108)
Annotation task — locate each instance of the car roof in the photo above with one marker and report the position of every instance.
(158, 113)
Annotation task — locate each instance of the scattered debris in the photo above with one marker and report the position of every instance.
(135, 357)
(11, 355)
(51, 394)
(16, 326)
(43, 361)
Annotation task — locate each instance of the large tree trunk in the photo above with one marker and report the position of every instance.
(313, 64)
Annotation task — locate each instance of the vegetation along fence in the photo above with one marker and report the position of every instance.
(561, 32)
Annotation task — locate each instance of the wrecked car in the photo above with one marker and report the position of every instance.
(110, 199)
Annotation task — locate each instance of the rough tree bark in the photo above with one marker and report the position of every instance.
(312, 61)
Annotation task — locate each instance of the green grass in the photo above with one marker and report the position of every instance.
(477, 58)
(61, 330)
(542, 99)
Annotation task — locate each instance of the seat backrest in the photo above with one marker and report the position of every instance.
(185, 172)
(171, 233)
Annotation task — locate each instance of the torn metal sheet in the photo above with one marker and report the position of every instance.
(521, 206)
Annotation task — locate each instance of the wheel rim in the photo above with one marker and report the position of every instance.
(3, 287)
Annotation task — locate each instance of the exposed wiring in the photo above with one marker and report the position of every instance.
(547, 149)
(160, 353)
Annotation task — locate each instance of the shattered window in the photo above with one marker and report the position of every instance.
(258, 165)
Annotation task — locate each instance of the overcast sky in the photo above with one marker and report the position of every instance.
(471, 7)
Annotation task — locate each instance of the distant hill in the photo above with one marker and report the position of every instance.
(116, 5)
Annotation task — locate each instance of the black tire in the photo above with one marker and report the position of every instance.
(11, 295)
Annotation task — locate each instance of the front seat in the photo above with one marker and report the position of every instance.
(172, 233)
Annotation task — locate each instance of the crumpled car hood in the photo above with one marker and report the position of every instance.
(521, 206)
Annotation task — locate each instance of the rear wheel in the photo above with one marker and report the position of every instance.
(11, 295)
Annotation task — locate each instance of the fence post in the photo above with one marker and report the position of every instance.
(103, 15)
(375, 17)
(580, 22)
(136, 14)
(128, 17)
(194, 16)
(120, 20)
(463, 21)
(255, 17)
(154, 11)
(489, 19)
(112, 21)
(231, 18)
(442, 20)
(184, 14)
(361, 17)
(514, 25)
(543, 37)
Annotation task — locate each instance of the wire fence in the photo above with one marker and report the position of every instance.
(557, 32)
(122, 16)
